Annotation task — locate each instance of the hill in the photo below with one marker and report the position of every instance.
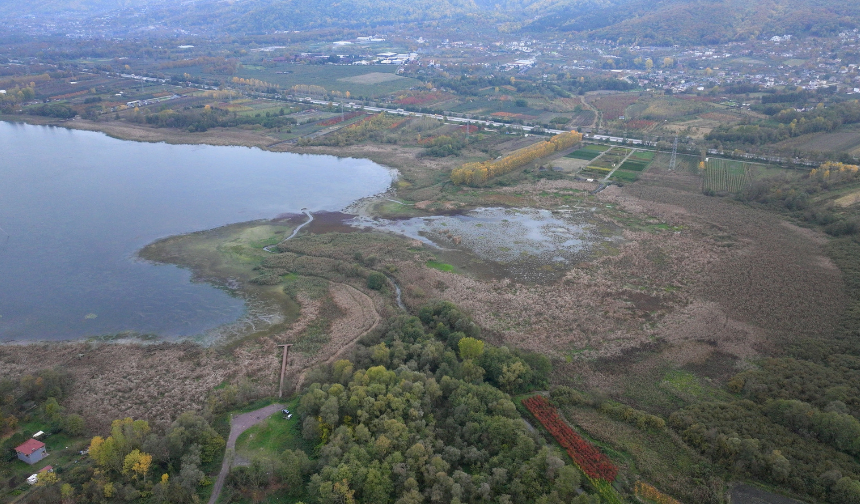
(643, 22)
(700, 21)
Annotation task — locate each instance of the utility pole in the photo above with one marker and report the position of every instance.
(283, 368)
(674, 155)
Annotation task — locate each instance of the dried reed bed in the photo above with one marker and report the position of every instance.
(723, 283)
(774, 276)
(600, 308)
(159, 381)
(114, 380)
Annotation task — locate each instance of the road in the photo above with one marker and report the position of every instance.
(435, 116)
(617, 166)
(238, 425)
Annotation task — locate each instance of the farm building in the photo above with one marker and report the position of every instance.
(31, 451)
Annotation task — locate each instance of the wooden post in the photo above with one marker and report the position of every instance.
(283, 368)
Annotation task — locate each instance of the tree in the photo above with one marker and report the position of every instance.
(73, 424)
(649, 64)
(470, 348)
(376, 281)
(512, 376)
(47, 478)
(67, 493)
(846, 491)
(137, 463)
(295, 465)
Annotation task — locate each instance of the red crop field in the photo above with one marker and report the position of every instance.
(593, 463)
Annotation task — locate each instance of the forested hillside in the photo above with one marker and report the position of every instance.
(632, 21)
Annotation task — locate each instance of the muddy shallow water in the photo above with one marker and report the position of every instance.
(527, 244)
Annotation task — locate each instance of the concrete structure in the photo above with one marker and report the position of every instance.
(31, 451)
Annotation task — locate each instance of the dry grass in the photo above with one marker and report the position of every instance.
(112, 380)
(697, 281)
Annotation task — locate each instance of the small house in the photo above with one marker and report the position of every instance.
(31, 451)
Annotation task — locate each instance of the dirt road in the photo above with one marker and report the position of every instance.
(238, 425)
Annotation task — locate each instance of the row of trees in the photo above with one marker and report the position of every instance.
(479, 173)
(198, 119)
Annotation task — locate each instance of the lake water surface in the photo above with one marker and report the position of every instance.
(76, 206)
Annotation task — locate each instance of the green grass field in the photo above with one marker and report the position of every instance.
(643, 155)
(441, 266)
(332, 77)
(585, 154)
(636, 166)
(272, 436)
(625, 176)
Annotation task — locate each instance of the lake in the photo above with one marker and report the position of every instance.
(76, 206)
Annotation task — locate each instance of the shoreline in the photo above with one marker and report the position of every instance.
(138, 133)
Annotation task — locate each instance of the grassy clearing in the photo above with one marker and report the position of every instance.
(441, 266)
(334, 78)
(272, 436)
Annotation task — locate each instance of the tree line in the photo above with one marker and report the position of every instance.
(480, 172)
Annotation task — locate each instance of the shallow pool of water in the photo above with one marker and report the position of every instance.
(526, 243)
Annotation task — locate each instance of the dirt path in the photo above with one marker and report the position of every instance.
(353, 300)
(238, 425)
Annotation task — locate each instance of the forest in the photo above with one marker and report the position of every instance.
(422, 414)
(787, 121)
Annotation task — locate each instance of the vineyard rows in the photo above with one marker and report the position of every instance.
(722, 176)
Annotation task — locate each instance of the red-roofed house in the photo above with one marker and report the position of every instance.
(31, 451)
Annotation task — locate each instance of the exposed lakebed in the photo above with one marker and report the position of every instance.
(76, 206)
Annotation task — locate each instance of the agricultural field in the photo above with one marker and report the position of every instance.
(846, 141)
(499, 107)
(663, 108)
(613, 106)
(722, 176)
(359, 80)
(588, 152)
